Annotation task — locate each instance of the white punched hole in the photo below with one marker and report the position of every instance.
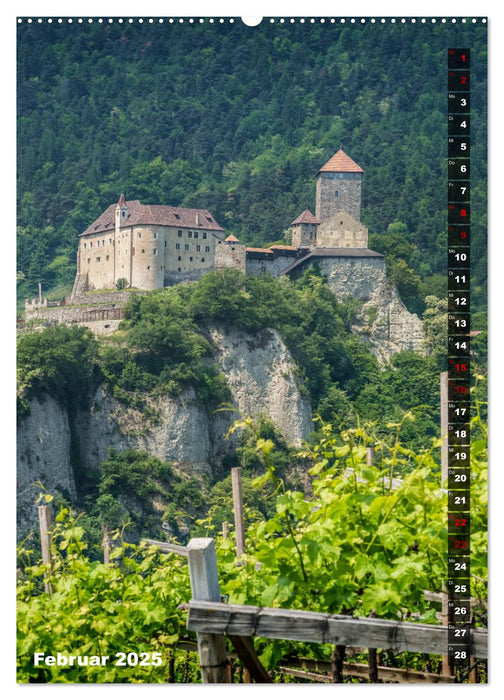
(251, 21)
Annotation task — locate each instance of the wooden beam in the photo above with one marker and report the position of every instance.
(45, 525)
(238, 510)
(393, 675)
(337, 660)
(244, 647)
(168, 547)
(438, 598)
(309, 675)
(443, 399)
(303, 626)
(205, 590)
(107, 545)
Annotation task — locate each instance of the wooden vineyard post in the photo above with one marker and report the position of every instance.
(337, 660)
(45, 522)
(473, 676)
(238, 510)
(225, 530)
(205, 586)
(106, 544)
(443, 398)
(443, 386)
(372, 653)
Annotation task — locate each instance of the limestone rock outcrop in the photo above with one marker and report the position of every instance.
(43, 455)
(260, 373)
(383, 319)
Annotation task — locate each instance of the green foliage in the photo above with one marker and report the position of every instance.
(401, 256)
(312, 323)
(410, 383)
(161, 350)
(132, 471)
(435, 318)
(164, 346)
(136, 489)
(406, 282)
(364, 542)
(259, 505)
(100, 610)
(59, 361)
(121, 283)
(247, 454)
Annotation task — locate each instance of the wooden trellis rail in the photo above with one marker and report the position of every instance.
(214, 620)
(304, 626)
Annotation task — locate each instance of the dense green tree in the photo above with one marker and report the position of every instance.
(59, 361)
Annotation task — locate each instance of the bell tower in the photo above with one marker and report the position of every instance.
(121, 213)
(338, 188)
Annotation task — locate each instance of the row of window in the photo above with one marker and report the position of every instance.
(155, 250)
(342, 176)
(98, 258)
(191, 234)
(111, 242)
(187, 247)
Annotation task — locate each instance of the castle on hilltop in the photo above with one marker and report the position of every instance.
(135, 246)
(153, 246)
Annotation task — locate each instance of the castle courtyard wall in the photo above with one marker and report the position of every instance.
(273, 264)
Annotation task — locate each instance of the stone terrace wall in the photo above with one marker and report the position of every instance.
(75, 314)
(103, 297)
(84, 308)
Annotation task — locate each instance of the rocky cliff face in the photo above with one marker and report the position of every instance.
(43, 454)
(383, 320)
(259, 371)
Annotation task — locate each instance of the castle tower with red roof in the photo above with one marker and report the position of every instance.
(338, 188)
(304, 230)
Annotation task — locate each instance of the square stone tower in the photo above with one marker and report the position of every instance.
(338, 188)
(304, 230)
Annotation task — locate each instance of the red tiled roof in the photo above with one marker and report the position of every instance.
(341, 163)
(259, 250)
(156, 215)
(122, 201)
(282, 247)
(306, 217)
(232, 239)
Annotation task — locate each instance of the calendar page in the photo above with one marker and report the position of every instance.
(251, 349)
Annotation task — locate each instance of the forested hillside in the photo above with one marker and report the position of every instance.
(238, 120)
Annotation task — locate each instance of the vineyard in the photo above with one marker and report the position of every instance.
(362, 546)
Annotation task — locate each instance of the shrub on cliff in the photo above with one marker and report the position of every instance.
(59, 361)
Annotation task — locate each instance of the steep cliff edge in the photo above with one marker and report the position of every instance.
(260, 373)
(383, 320)
(43, 455)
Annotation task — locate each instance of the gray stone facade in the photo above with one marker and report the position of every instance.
(338, 192)
(230, 253)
